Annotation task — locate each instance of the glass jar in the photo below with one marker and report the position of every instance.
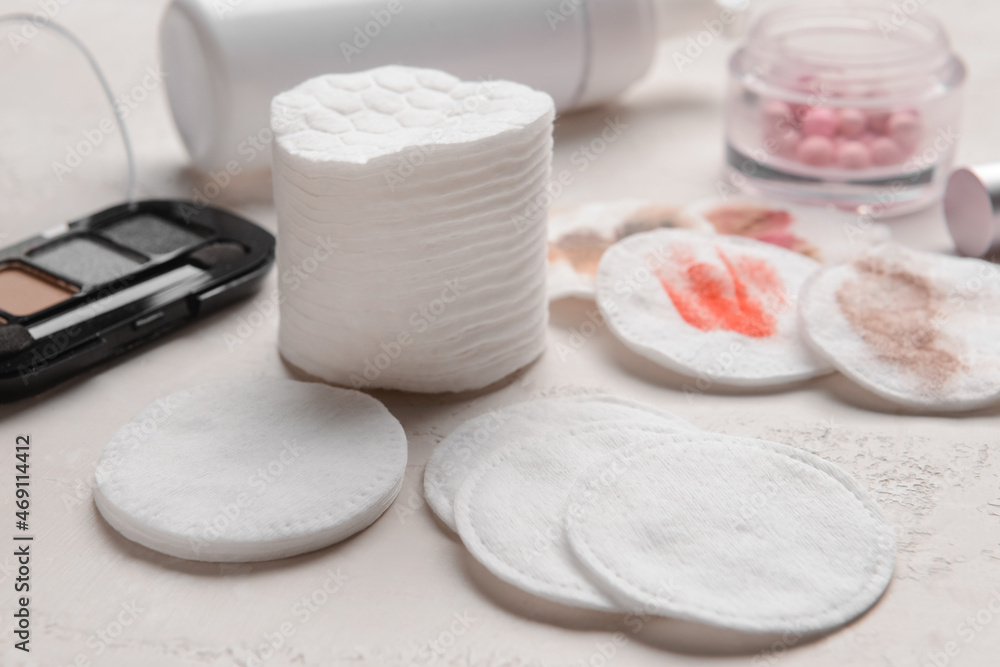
(855, 104)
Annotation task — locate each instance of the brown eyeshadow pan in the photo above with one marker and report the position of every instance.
(24, 291)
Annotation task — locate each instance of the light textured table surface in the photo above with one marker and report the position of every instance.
(406, 592)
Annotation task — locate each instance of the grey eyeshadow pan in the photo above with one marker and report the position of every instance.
(84, 261)
(151, 235)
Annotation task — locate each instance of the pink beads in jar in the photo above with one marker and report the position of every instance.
(826, 105)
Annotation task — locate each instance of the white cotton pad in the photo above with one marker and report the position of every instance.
(719, 308)
(474, 441)
(511, 509)
(734, 532)
(252, 470)
(411, 228)
(579, 235)
(823, 233)
(920, 329)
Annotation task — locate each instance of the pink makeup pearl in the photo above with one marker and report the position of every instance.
(820, 122)
(904, 128)
(776, 115)
(815, 151)
(877, 121)
(885, 151)
(853, 155)
(852, 123)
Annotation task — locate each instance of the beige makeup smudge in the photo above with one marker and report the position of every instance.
(893, 310)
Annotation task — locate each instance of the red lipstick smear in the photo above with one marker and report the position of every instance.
(734, 296)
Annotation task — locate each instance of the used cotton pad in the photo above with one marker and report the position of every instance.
(919, 329)
(411, 228)
(737, 533)
(718, 308)
(511, 509)
(473, 442)
(579, 235)
(252, 470)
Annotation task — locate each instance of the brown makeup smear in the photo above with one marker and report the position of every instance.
(761, 223)
(583, 250)
(24, 291)
(892, 309)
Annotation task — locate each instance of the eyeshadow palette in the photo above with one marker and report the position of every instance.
(86, 292)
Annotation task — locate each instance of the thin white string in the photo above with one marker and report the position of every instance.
(38, 20)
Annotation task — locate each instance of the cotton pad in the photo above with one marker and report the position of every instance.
(411, 228)
(824, 233)
(511, 509)
(919, 329)
(252, 470)
(579, 235)
(734, 532)
(719, 308)
(473, 442)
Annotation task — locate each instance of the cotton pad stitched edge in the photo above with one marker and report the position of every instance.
(510, 510)
(709, 305)
(251, 470)
(473, 441)
(738, 533)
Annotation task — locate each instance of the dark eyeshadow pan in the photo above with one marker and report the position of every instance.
(84, 261)
(151, 235)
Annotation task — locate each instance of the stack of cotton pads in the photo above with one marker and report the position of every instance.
(252, 470)
(610, 505)
(920, 329)
(718, 308)
(411, 227)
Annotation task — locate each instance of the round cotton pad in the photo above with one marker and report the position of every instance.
(738, 533)
(251, 470)
(472, 443)
(709, 306)
(511, 509)
(920, 329)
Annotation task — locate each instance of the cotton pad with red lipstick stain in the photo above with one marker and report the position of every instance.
(918, 329)
(718, 308)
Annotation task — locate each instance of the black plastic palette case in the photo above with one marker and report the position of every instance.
(89, 291)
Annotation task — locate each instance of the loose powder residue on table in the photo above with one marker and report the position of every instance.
(893, 310)
(741, 295)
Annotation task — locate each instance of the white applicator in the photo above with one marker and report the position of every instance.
(411, 228)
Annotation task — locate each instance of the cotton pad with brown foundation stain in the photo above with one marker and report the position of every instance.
(893, 309)
(917, 328)
(579, 236)
(761, 223)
